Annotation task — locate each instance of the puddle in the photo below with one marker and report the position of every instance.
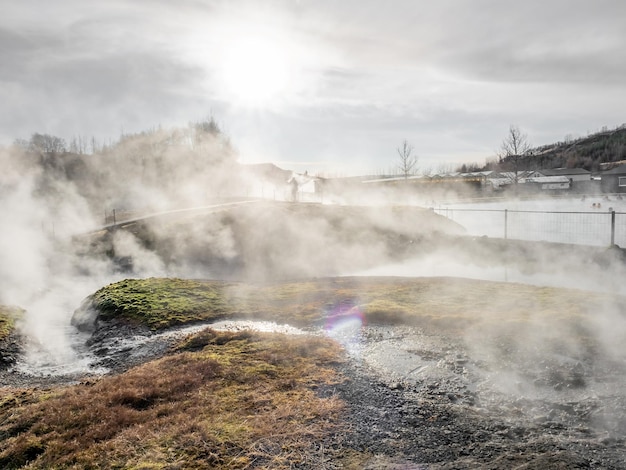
(403, 354)
(262, 326)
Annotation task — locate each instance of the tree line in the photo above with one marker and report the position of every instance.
(170, 167)
(594, 152)
(590, 153)
(194, 136)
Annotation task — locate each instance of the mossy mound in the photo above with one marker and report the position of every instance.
(158, 303)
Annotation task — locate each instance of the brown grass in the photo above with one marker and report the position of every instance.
(222, 400)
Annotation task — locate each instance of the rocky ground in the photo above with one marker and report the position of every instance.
(450, 418)
(420, 400)
(9, 350)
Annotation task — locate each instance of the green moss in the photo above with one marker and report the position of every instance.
(8, 317)
(161, 303)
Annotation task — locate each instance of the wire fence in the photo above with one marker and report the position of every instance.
(597, 228)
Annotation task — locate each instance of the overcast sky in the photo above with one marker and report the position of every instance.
(322, 85)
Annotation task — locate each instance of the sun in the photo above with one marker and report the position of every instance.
(255, 71)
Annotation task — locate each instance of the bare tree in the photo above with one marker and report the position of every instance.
(95, 148)
(514, 148)
(45, 143)
(408, 161)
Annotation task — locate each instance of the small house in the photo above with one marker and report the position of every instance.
(614, 181)
(548, 183)
(573, 174)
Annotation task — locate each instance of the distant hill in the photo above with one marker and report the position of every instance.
(596, 152)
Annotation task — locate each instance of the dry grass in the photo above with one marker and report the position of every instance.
(450, 304)
(222, 400)
(467, 310)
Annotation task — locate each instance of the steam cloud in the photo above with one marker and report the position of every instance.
(49, 200)
(52, 256)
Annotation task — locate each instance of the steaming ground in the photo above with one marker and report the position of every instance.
(421, 395)
(263, 241)
(248, 240)
(540, 388)
(534, 263)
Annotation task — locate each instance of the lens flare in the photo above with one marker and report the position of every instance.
(344, 323)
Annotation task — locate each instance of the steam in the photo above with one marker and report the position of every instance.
(126, 246)
(185, 210)
(49, 201)
(38, 269)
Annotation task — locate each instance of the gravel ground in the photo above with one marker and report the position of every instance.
(447, 413)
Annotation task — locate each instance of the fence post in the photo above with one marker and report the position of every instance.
(612, 228)
(506, 219)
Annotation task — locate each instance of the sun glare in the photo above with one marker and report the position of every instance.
(255, 71)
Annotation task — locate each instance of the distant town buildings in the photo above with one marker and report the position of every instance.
(482, 183)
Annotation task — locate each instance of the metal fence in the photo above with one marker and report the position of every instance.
(597, 228)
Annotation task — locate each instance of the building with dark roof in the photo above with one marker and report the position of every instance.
(573, 174)
(614, 181)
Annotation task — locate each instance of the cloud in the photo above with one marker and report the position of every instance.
(430, 70)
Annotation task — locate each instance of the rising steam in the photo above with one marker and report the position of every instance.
(176, 203)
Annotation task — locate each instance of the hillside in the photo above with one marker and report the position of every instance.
(270, 240)
(594, 153)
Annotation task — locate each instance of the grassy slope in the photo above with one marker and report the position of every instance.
(219, 399)
(201, 407)
(451, 304)
(275, 240)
